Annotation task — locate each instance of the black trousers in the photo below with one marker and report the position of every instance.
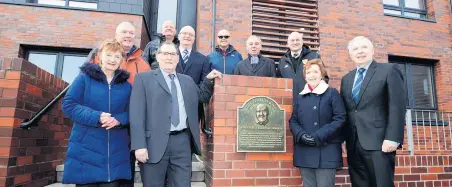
(370, 168)
(100, 184)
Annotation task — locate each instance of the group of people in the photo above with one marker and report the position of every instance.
(130, 105)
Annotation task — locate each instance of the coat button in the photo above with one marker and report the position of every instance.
(315, 107)
(315, 124)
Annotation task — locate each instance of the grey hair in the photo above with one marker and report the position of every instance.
(164, 44)
(349, 46)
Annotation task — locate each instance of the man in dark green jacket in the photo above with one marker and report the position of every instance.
(292, 63)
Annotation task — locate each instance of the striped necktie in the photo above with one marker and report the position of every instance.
(185, 56)
(357, 85)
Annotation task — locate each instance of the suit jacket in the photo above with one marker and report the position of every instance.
(150, 111)
(197, 66)
(380, 112)
(265, 68)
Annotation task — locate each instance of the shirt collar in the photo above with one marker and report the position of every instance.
(181, 50)
(165, 74)
(299, 53)
(131, 50)
(366, 66)
(320, 89)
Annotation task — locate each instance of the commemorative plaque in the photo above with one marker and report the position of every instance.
(261, 126)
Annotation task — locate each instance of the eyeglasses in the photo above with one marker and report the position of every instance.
(223, 37)
(168, 54)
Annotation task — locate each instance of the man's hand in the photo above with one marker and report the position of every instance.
(214, 74)
(109, 123)
(142, 155)
(389, 146)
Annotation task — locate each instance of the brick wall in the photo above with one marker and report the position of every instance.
(44, 26)
(226, 167)
(29, 157)
(232, 15)
(340, 21)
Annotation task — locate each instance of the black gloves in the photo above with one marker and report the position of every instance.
(308, 139)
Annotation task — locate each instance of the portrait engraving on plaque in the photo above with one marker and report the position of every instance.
(261, 126)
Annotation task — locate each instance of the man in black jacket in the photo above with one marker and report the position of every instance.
(168, 35)
(291, 64)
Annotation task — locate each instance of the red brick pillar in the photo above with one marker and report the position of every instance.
(226, 167)
(29, 157)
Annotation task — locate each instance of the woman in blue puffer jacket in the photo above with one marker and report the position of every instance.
(97, 103)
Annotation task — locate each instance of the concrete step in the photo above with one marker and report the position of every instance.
(193, 184)
(197, 175)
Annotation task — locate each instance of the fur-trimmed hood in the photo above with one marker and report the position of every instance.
(95, 72)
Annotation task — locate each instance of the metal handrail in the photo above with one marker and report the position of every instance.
(28, 123)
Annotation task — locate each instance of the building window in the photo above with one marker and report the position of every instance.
(64, 65)
(406, 8)
(420, 81)
(86, 4)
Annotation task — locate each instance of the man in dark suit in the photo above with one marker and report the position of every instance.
(292, 63)
(255, 64)
(191, 63)
(164, 120)
(375, 99)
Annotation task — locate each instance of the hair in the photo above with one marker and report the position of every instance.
(253, 36)
(124, 24)
(350, 43)
(111, 45)
(170, 44)
(312, 62)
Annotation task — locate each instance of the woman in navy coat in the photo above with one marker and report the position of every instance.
(318, 115)
(97, 103)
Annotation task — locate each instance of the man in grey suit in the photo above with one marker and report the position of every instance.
(375, 99)
(164, 120)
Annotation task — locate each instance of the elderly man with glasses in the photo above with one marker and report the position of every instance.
(225, 57)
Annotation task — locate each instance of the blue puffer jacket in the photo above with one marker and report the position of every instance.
(95, 154)
(220, 60)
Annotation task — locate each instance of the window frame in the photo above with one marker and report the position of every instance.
(408, 62)
(404, 9)
(59, 63)
(66, 4)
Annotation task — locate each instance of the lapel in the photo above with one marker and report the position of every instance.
(349, 86)
(370, 72)
(260, 64)
(183, 86)
(248, 64)
(190, 60)
(161, 80)
(179, 68)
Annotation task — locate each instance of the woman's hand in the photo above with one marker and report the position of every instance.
(109, 122)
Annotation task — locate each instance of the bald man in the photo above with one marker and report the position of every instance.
(191, 62)
(168, 35)
(224, 58)
(133, 63)
(255, 64)
(292, 63)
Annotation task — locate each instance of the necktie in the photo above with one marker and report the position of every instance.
(357, 85)
(295, 55)
(254, 60)
(175, 102)
(185, 56)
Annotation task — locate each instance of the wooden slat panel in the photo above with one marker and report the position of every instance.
(274, 20)
(284, 12)
(284, 29)
(285, 23)
(296, 8)
(305, 36)
(309, 4)
(256, 15)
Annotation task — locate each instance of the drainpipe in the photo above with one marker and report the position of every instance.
(214, 16)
